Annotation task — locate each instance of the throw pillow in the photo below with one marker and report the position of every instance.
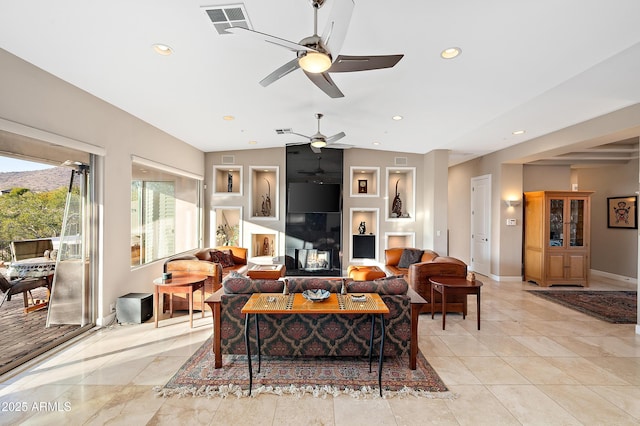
(224, 259)
(229, 257)
(408, 257)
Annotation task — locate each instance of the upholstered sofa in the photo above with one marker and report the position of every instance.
(203, 262)
(315, 335)
(396, 264)
(430, 264)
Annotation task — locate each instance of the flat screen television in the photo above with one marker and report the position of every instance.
(306, 197)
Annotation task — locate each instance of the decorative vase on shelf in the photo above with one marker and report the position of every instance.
(362, 229)
(396, 206)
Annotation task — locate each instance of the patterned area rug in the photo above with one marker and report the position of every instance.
(299, 376)
(617, 307)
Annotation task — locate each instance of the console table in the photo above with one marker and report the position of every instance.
(454, 285)
(295, 303)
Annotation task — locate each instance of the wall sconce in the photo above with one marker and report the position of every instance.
(512, 203)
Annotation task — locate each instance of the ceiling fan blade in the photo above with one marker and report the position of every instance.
(314, 149)
(326, 84)
(294, 47)
(280, 72)
(335, 137)
(340, 146)
(336, 29)
(344, 63)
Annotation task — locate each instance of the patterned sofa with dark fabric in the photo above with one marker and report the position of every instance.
(315, 335)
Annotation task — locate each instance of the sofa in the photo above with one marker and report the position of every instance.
(428, 264)
(315, 335)
(396, 264)
(206, 262)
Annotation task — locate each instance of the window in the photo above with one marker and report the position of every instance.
(165, 213)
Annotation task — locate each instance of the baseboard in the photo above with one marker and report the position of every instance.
(506, 278)
(614, 276)
(105, 321)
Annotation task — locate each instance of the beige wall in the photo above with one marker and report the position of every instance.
(613, 250)
(39, 100)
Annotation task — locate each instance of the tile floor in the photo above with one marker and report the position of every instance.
(533, 362)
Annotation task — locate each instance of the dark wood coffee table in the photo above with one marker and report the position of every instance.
(180, 282)
(453, 285)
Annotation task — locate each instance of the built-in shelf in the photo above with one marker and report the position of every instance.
(227, 180)
(399, 239)
(263, 245)
(227, 229)
(365, 181)
(401, 194)
(364, 227)
(264, 185)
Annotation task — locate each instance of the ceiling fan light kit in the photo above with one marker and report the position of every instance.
(315, 62)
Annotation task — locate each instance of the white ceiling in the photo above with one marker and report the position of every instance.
(539, 66)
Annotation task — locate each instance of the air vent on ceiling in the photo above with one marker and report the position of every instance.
(228, 159)
(283, 131)
(401, 161)
(223, 17)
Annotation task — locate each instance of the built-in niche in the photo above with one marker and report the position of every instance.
(263, 245)
(227, 180)
(399, 239)
(401, 194)
(264, 185)
(227, 229)
(365, 181)
(364, 233)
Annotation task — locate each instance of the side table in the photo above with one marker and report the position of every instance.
(454, 285)
(180, 282)
(266, 272)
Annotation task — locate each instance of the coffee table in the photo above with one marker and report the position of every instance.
(180, 282)
(454, 285)
(266, 272)
(295, 303)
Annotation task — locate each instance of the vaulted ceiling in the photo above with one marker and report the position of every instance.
(534, 66)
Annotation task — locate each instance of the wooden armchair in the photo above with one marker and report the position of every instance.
(21, 285)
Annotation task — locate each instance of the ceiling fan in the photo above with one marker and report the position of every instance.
(316, 54)
(318, 140)
(319, 171)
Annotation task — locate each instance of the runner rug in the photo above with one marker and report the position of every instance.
(299, 376)
(617, 307)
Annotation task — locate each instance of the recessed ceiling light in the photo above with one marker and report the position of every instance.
(162, 49)
(228, 117)
(450, 53)
(253, 143)
(397, 117)
(519, 132)
(376, 143)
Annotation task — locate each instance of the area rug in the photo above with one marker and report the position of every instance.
(617, 307)
(300, 376)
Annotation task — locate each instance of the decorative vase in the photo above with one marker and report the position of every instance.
(229, 182)
(362, 229)
(396, 207)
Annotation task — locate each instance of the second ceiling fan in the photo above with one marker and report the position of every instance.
(315, 54)
(318, 140)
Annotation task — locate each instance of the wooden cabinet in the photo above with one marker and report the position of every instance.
(556, 237)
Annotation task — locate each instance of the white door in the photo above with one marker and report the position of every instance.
(481, 224)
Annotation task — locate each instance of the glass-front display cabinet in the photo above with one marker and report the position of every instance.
(557, 225)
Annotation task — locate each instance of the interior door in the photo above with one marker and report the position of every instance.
(481, 224)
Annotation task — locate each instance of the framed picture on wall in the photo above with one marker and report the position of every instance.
(622, 212)
(362, 186)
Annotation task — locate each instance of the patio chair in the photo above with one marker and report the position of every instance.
(21, 285)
